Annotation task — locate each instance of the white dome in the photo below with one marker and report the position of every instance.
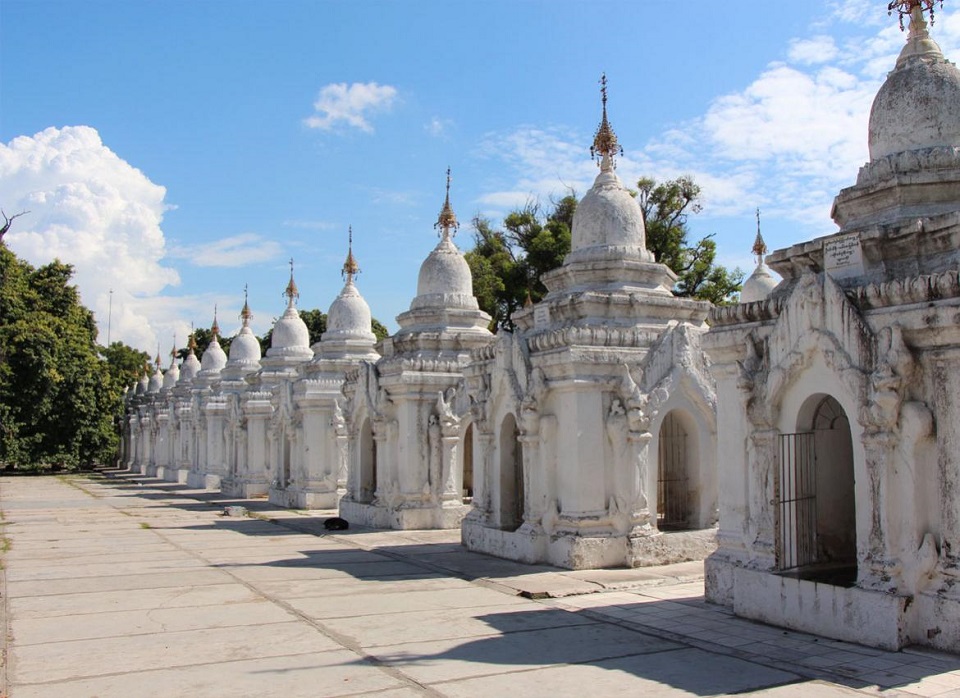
(445, 280)
(916, 107)
(245, 349)
(290, 335)
(608, 216)
(213, 359)
(759, 285)
(171, 377)
(156, 381)
(349, 316)
(190, 368)
(143, 384)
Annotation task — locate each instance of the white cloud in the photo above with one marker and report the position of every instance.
(351, 105)
(233, 251)
(92, 209)
(818, 49)
(438, 127)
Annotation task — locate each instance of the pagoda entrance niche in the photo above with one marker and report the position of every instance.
(677, 459)
(815, 498)
(466, 486)
(368, 463)
(511, 475)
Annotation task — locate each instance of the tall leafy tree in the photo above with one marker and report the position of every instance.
(57, 398)
(507, 264)
(666, 207)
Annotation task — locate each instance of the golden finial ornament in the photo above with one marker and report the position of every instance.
(350, 266)
(215, 328)
(173, 351)
(192, 342)
(605, 146)
(291, 291)
(245, 314)
(447, 222)
(759, 246)
(157, 360)
(913, 9)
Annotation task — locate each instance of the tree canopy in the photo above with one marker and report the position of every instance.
(59, 398)
(508, 262)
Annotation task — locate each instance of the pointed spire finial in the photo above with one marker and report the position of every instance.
(173, 350)
(157, 360)
(192, 342)
(245, 314)
(447, 222)
(215, 328)
(350, 266)
(291, 291)
(759, 246)
(605, 146)
(913, 9)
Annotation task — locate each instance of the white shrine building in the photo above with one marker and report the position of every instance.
(593, 426)
(406, 414)
(839, 394)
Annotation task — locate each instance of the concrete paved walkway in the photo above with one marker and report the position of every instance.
(121, 586)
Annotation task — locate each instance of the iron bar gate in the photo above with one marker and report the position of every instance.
(673, 509)
(795, 498)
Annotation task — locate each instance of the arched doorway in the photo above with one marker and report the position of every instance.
(368, 463)
(466, 488)
(816, 500)
(511, 475)
(673, 474)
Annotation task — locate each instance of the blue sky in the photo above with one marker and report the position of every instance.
(176, 151)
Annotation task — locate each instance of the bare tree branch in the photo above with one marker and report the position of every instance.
(8, 221)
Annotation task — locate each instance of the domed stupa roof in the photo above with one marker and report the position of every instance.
(916, 108)
(245, 348)
(349, 315)
(608, 220)
(445, 280)
(172, 376)
(191, 365)
(214, 358)
(290, 334)
(761, 281)
(144, 383)
(156, 380)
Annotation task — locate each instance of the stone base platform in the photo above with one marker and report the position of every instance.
(406, 519)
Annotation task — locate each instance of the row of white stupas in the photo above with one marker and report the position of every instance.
(806, 441)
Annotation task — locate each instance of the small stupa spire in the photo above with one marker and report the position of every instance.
(291, 291)
(605, 145)
(157, 360)
(913, 9)
(759, 246)
(215, 328)
(447, 222)
(192, 342)
(173, 351)
(245, 314)
(350, 266)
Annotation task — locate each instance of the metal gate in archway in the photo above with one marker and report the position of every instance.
(672, 486)
(795, 499)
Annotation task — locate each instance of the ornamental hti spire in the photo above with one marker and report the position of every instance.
(447, 222)
(245, 314)
(291, 291)
(215, 329)
(192, 342)
(759, 246)
(173, 351)
(605, 146)
(350, 266)
(914, 9)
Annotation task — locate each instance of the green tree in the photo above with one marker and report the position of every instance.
(57, 397)
(666, 207)
(507, 264)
